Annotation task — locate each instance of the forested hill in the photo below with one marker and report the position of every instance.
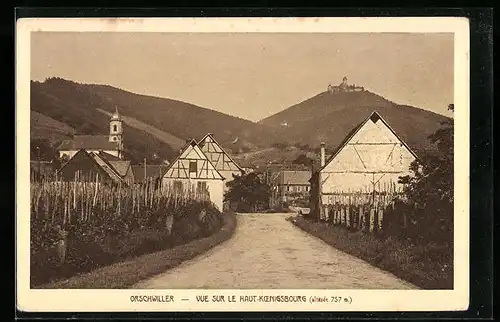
(330, 116)
(72, 107)
(76, 105)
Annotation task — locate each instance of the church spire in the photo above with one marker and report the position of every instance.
(116, 115)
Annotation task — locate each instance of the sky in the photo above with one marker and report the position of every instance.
(252, 75)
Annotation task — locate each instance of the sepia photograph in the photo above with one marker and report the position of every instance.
(228, 159)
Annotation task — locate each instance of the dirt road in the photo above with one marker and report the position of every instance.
(267, 251)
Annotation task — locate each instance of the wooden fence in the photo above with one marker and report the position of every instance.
(362, 210)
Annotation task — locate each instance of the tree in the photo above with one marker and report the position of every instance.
(430, 187)
(302, 159)
(41, 148)
(248, 191)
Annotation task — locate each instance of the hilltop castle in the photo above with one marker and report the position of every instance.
(344, 87)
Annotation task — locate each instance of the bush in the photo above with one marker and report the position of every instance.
(126, 273)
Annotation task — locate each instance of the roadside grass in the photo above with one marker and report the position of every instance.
(127, 273)
(425, 266)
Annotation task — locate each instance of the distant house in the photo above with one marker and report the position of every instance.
(222, 162)
(372, 156)
(291, 185)
(149, 172)
(124, 169)
(90, 166)
(111, 143)
(248, 169)
(193, 171)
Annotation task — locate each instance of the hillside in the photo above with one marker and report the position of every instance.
(183, 120)
(72, 106)
(44, 127)
(168, 138)
(159, 126)
(329, 117)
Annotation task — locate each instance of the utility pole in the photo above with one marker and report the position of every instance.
(145, 177)
(38, 156)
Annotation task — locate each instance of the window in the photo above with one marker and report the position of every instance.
(193, 166)
(177, 187)
(201, 186)
(115, 128)
(114, 138)
(289, 188)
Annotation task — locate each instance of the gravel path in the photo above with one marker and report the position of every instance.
(267, 251)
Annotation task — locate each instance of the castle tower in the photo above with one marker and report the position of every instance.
(116, 131)
(344, 83)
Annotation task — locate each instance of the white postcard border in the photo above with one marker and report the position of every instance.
(361, 300)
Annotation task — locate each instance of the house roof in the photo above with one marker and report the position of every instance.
(202, 143)
(106, 166)
(374, 116)
(121, 167)
(192, 144)
(109, 156)
(152, 171)
(90, 142)
(292, 177)
(101, 163)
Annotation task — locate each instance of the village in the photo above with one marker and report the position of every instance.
(93, 207)
(370, 160)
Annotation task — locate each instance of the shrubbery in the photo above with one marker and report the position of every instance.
(428, 266)
(248, 192)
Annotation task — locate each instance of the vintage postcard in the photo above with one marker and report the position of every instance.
(242, 164)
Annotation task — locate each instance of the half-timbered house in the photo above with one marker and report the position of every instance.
(371, 158)
(193, 171)
(220, 158)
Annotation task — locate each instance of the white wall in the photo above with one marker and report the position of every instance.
(215, 188)
(373, 155)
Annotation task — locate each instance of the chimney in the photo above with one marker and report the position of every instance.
(322, 154)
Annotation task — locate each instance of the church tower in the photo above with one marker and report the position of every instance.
(116, 131)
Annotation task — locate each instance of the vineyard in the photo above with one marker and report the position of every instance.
(81, 225)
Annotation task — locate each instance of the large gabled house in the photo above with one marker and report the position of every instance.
(372, 156)
(220, 159)
(192, 171)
